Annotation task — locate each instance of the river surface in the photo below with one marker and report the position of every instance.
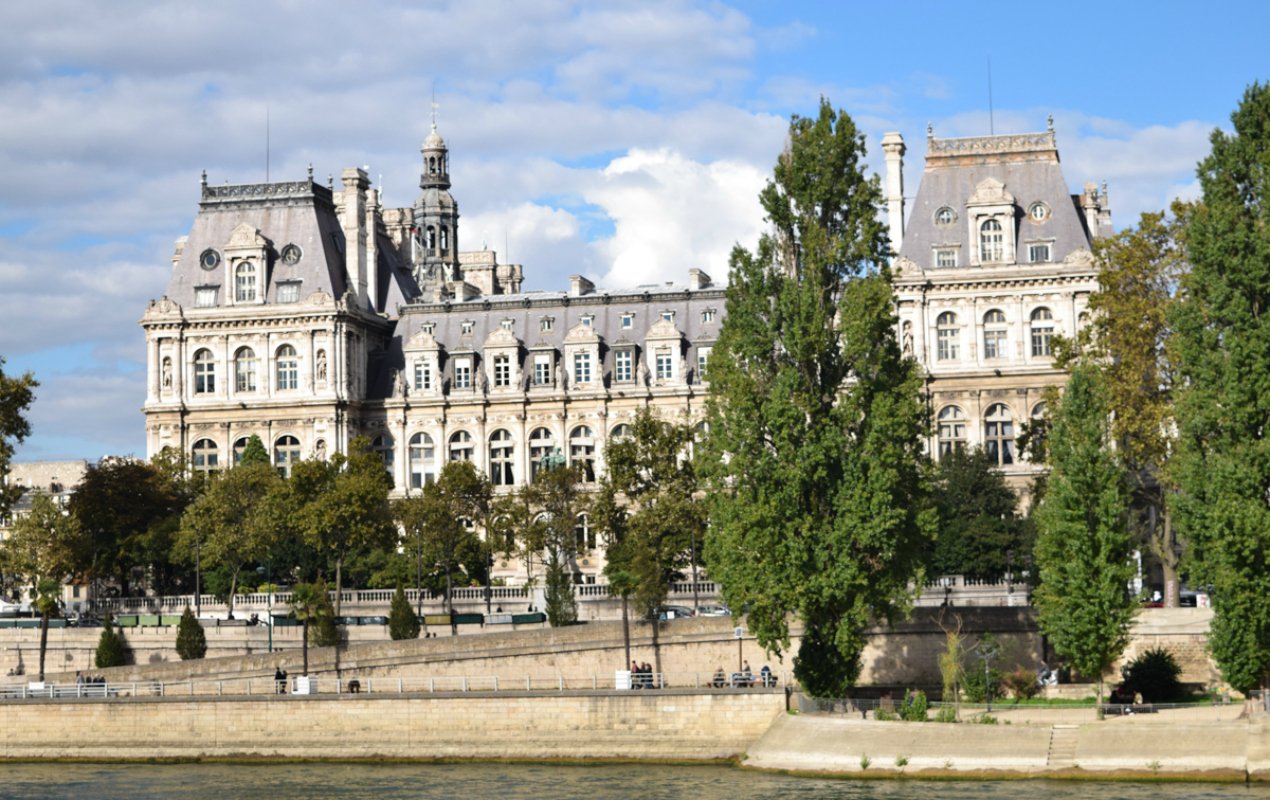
(540, 782)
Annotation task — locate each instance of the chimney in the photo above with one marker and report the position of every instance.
(893, 147)
(371, 225)
(697, 280)
(353, 221)
(579, 286)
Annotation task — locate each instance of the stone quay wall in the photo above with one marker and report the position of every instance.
(658, 726)
(903, 655)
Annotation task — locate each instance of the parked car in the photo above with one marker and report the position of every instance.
(674, 612)
(714, 610)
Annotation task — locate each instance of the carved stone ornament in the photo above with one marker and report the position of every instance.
(1079, 258)
(320, 297)
(990, 192)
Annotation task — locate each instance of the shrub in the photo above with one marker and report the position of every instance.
(885, 715)
(972, 683)
(402, 622)
(914, 707)
(191, 641)
(946, 713)
(1153, 674)
(1020, 683)
(110, 649)
(986, 719)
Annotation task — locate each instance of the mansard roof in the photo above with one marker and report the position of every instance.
(1020, 169)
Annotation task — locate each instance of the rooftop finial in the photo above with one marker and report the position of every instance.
(1049, 123)
(203, 182)
(930, 131)
(310, 172)
(434, 106)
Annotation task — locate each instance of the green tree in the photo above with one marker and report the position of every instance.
(819, 492)
(1083, 545)
(1139, 271)
(16, 395)
(438, 522)
(254, 452)
(228, 525)
(191, 641)
(402, 622)
(312, 606)
(41, 551)
(557, 500)
(1222, 343)
(112, 651)
(343, 505)
(130, 511)
(979, 526)
(650, 473)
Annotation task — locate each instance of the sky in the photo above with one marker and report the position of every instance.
(625, 141)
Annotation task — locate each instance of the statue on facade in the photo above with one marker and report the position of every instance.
(167, 373)
(321, 367)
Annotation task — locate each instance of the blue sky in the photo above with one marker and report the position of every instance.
(622, 140)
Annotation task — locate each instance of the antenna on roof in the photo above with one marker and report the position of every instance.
(991, 126)
(434, 105)
(266, 142)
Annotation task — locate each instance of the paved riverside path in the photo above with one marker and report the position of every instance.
(1178, 743)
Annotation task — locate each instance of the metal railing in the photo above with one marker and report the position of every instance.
(353, 683)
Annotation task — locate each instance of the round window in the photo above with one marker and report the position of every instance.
(1039, 212)
(945, 216)
(210, 259)
(291, 254)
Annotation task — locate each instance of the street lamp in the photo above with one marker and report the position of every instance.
(267, 571)
(988, 649)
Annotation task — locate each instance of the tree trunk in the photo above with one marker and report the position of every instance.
(233, 587)
(656, 647)
(1169, 564)
(626, 632)
(44, 641)
(449, 601)
(339, 583)
(305, 645)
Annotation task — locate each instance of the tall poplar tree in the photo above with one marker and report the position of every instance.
(16, 395)
(1222, 342)
(1083, 544)
(819, 494)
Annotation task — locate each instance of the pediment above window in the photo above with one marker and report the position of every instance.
(663, 330)
(990, 192)
(501, 337)
(582, 334)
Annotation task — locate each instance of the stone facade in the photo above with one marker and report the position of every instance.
(994, 261)
(308, 315)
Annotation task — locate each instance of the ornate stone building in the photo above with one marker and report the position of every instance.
(995, 260)
(308, 315)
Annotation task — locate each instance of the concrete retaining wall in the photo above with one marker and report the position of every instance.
(664, 725)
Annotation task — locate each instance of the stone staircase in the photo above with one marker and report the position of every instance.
(1062, 752)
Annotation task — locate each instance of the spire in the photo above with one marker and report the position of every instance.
(436, 158)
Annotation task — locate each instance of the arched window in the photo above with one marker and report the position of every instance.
(541, 444)
(947, 337)
(582, 452)
(460, 446)
(432, 239)
(204, 372)
(620, 431)
(204, 458)
(994, 334)
(245, 370)
(1038, 428)
(998, 434)
(245, 282)
(1042, 332)
(383, 446)
(423, 459)
(288, 368)
(286, 452)
(991, 241)
(445, 239)
(432, 165)
(952, 429)
(584, 534)
(501, 451)
(240, 447)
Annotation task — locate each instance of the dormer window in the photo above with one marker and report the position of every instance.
(991, 241)
(1038, 212)
(1038, 252)
(502, 370)
(462, 373)
(506, 324)
(429, 327)
(289, 292)
(628, 321)
(588, 320)
(707, 316)
(945, 216)
(547, 324)
(945, 257)
(245, 282)
(668, 316)
(205, 297)
(466, 327)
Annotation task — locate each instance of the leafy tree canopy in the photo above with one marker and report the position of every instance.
(979, 527)
(16, 396)
(818, 503)
(1222, 347)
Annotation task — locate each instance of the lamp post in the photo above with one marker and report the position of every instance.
(696, 606)
(267, 571)
(988, 648)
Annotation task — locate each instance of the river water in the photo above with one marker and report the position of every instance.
(540, 782)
